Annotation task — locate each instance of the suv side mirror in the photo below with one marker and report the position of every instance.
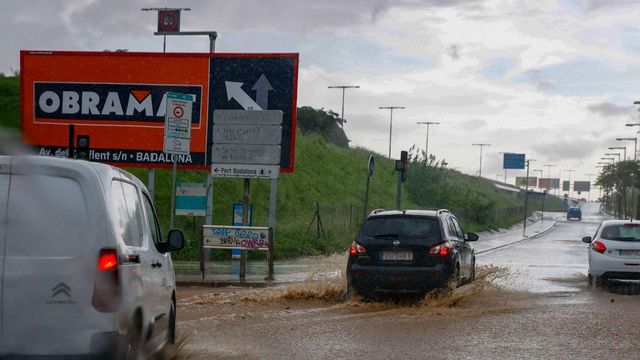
(175, 243)
(471, 237)
(586, 239)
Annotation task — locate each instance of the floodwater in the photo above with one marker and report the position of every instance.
(530, 301)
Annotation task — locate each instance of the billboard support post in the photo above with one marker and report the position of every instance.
(272, 225)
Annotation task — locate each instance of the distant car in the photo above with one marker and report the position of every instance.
(574, 213)
(614, 252)
(84, 269)
(409, 251)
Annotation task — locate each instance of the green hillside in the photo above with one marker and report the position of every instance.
(334, 177)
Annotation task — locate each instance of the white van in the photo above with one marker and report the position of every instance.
(83, 266)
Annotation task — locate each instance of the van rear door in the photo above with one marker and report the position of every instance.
(50, 260)
(5, 175)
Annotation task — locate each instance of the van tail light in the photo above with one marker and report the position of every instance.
(597, 246)
(108, 260)
(442, 249)
(107, 289)
(357, 248)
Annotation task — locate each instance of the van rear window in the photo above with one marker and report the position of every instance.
(127, 212)
(47, 216)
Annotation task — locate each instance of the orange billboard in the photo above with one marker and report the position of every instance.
(118, 100)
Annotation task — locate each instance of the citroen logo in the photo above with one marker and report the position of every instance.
(396, 242)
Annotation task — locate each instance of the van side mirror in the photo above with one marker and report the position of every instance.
(471, 237)
(175, 243)
(586, 239)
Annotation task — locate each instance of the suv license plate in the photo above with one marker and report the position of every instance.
(397, 255)
(629, 253)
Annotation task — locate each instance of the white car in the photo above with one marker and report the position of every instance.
(83, 267)
(614, 252)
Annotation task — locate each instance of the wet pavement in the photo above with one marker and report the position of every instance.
(530, 301)
(227, 273)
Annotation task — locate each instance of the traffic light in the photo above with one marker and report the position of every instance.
(82, 148)
(404, 164)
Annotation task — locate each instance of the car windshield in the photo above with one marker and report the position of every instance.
(401, 227)
(621, 233)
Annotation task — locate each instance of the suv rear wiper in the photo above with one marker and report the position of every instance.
(383, 236)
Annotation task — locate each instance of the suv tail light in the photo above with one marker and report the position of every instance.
(357, 248)
(107, 290)
(597, 246)
(442, 249)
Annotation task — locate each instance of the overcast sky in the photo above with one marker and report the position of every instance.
(555, 80)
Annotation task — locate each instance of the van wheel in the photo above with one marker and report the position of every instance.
(134, 337)
(172, 324)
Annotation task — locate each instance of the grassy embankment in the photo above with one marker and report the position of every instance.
(324, 173)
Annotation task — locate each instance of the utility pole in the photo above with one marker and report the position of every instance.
(343, 87)
(426, 146)
(481, 146)
(390, 122)
(624, 148)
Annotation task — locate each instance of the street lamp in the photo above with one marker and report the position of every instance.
(481, 146)
(590, 175)
(428, 123)
(618, 154)
(549, 166)
(624, 148)
(569, 171)
(541, 172)
(343, 87)
(635, 143)
(390, 122)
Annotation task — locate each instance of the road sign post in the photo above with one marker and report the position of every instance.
(177, 135)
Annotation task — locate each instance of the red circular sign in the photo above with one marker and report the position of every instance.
(178, 112)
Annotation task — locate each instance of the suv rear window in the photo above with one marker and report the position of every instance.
(402, 227)
(621, 233)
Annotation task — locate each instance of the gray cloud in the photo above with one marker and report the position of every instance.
(609, 109)
(569, 149)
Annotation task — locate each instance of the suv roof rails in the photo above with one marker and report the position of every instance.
(440, 211)
(375, 211)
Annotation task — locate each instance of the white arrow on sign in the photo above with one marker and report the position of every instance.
(262, 88)
(234, 91)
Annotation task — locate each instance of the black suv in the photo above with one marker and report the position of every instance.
(409, 251)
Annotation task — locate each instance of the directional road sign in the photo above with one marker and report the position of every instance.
(513, 161)
(255, 82)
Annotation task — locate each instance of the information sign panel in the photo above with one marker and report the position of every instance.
(236, 237)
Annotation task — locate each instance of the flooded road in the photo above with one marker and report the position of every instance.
(530, 301)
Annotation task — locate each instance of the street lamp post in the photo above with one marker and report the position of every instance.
(623, 148)
(569, 171)
(635, 143)
(481, 146)
(614, 154)
(526, 199)
(549, 166)
(590, 175)
(426, 146)
(343, 87)
(390, 122)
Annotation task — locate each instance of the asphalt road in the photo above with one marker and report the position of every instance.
(530, 301)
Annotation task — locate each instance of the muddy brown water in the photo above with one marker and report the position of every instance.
(314, 320)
